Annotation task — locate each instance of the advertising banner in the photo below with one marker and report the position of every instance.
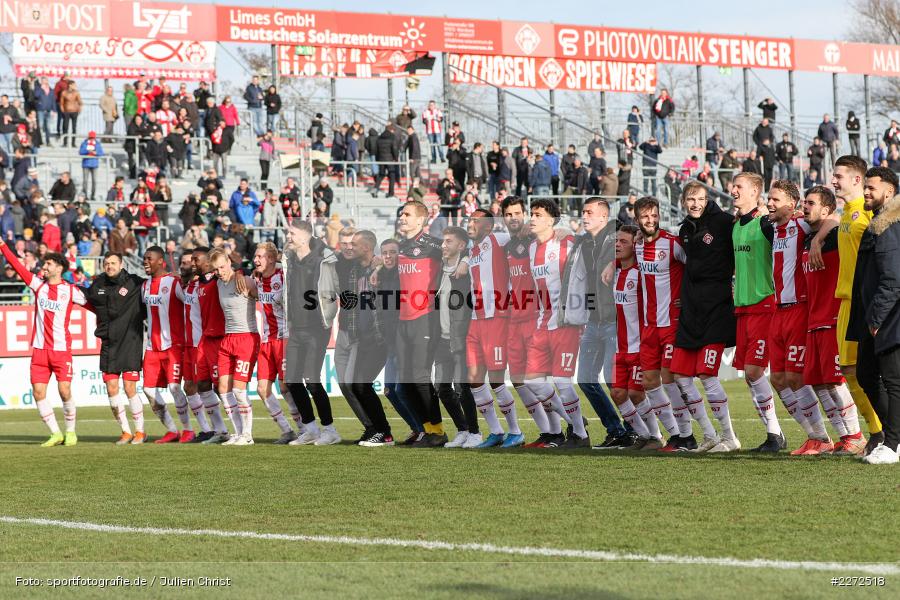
(100, 57)
(553, 74)
(295, 61)
(847, 57)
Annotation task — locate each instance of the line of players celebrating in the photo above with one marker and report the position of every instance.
(775, 286)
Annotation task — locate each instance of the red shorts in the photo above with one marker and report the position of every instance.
(45, 363)
(271, 361)
(657, 346)
(126, 376)
(207, 365)
(752, 340)
(486, 343)
(822, 358)
(237, 355)
(189, 362)
(627, 371)
(693, 362)
(519, 334)
(787, 340)
(162, 367)
(554, 352)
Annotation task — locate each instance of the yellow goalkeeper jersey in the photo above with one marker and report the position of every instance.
(854, 221)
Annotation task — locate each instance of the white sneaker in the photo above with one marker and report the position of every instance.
(708, 443)
(232, 440)
(458, 441)
(882, 455)
(731, 444)
(243, 440)
(473, 440)
(328, 437)
(306, 438)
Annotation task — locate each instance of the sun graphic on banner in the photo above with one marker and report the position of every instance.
(413, 32)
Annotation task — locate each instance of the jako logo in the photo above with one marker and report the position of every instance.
(742, 248)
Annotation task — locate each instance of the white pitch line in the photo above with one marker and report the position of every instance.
(594, 555)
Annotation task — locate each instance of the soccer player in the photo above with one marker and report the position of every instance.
(787, 343)
(417, 332)
(847, 181)
(486, 341)
(51, 342)
(164, 299)
(660, 260)
(822, 369)
(270, 366)
(240, 346)
(706, 323)
(193, 333)
(754, 301)
(562, 313)
(206, 369)
(627, 390)
(523, 322)
(313, 289)
(116, 297)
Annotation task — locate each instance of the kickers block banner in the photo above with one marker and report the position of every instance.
(345, 62)
(100, 57)
(553, 74)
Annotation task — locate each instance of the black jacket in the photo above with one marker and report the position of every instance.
(597, 252)
(786, 151)
(763, 132)
(120, 321)
(876, 284)
(386, 148)
(707, 304)
(213, 116)
(413, 147)
(493, 161)
(273, 103)
(768, 109)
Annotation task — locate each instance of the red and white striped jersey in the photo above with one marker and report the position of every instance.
(52, 307)
(787, 256)
(433, 120)
(548, 263)
(523, 298)
(490, 277)
(165, 312)
(271, 297)
(193, 323)
(661, 264)
(628, 310)
(166, 121)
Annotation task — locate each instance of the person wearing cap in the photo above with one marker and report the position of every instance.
(22, 140)
(91, 151)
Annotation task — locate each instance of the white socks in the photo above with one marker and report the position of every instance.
(659, 400)
(181, 406)
(648, 416)
(679, 409)
(507, 405)
(137, 412)
(718, 403)
(277, 414)
(571, 404)
(117, 404)
(792, 405)
(246, 411)
(694, 403)
(196, 404)
(69, 415)
(292, 407)
(158, 404)
(631, 416)
(46, 412)
(484, 402)
(231, 409)
(543, 389)
(809, 406)
(846, 407)
(213, 410)
(762, 398)
(534, 408)
(831, 411)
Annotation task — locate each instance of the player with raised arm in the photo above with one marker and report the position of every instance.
(562, 313)
(848, 181)
(51, 341)
(115, 295)
(240, 346)
(523, 321)
(787, 344)
(627, 389)
(164, 298)
(822, 370)
(193, 333)
(754, 301)
(660, 260)
(270, 366)
(706, 323)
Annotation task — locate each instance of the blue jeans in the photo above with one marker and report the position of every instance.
(374, 166)
(270, 122)
(598, 345)
(44, 123)
(437, 146)
(493, 185)
(394, 393)
(201, 129)
(6, 139)
(257, 116)
(664, 123)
